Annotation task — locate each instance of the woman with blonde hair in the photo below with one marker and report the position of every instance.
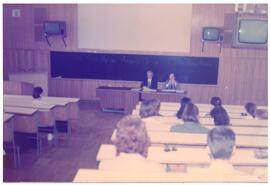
(131, 144)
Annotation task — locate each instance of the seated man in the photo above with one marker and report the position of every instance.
(221, 146)
(149, 82)
(132, 144)
(171, 83)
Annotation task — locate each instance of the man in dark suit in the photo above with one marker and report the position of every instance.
(149, 82)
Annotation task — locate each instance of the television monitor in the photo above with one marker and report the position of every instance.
(250, 33)
(211, 34)
(55, 27)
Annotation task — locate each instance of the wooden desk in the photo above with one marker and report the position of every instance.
(121, 98)
(187, 139)
(174, 104)
(185, 155)
(20, 110)
(163, 96)
(136, 112)
(35, 105)
(7, 117)
(238, 130)
(44, 99)
(86, 175)
(210, 122)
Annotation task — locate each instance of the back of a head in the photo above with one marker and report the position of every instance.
(251, 108)
(221, 142)
(220, 116)
(131, 136)
(184, 101)
(149, 108)
(216, 101)
(37, 91)
(190, 113)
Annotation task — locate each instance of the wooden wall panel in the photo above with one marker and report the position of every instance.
(242, 72)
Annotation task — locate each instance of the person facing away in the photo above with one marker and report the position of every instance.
(252, 110)
(131, 144)
(184, 101)
(149, 82)
(36, 93)
(171, 83)
(191, 123)
(221, 147)
(149, 108)
(219, 114)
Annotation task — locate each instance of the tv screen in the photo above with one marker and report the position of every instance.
(52, 27)
(210, 34)
(252, 31)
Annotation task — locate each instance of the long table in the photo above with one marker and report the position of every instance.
(158, 138)
(88, 175)
(185, 155)
(126, 98)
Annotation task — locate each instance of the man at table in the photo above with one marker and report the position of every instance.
(149, 82)
(171, 84)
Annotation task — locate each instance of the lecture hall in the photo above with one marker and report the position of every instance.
(135, 92)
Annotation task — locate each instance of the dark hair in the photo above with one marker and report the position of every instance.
(37, 91)
(184, 101)
(251, 108)
(221, 141)
(216, 101)
(190, 113)
(220, 116)
(149, 108)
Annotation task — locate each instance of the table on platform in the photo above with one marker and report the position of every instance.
(126, 98)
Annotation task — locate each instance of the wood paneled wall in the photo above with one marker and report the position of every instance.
(242, 72)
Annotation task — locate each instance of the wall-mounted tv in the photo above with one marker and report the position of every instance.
(250, 32)
(211, 34)
(55, 28)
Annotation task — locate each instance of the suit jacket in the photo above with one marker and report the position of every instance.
(153, 83)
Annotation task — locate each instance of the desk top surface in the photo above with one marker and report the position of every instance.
(7, 116)
(19, 110)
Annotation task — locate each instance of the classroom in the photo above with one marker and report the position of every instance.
(135, 92)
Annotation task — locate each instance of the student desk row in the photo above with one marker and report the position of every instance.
(187, 139)
(210, 121)
(62, 108)
(186, 156)
(201, 114)
(87, 175)
(208, 106)
(238, 130)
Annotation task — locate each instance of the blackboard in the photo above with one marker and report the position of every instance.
(133, 67)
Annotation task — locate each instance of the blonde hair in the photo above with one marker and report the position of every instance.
(131, 136)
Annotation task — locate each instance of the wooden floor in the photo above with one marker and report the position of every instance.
(60, 164)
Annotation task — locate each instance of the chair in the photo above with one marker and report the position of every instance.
(9, 142)
(27, 127)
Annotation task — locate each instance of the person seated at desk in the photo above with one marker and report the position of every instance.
(221, 147)
(220, 117)
(132, 144)
(252, 110)
(149, 82)
(191, 122)
(171, 84)
(184, 101)
(36, 93)
(218, 108)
